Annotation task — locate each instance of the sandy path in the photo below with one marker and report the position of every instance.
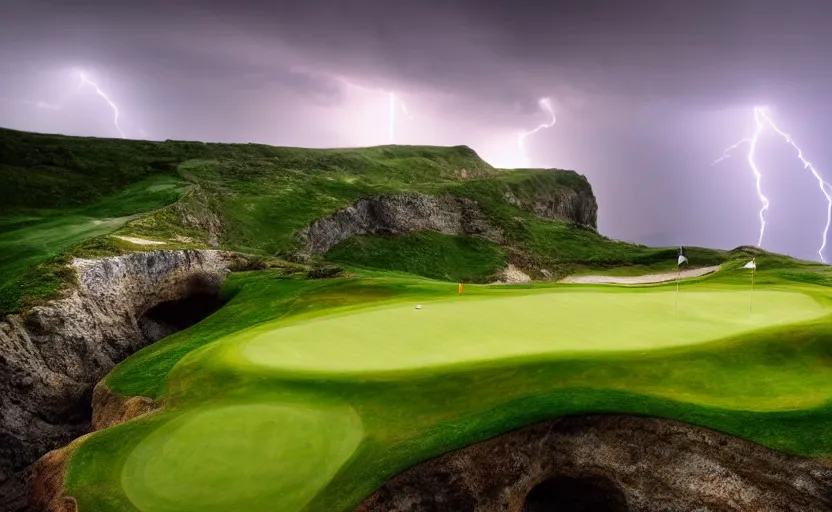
(646, 279)
(139, 241)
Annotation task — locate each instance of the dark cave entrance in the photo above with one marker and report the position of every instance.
(573, 494)
(176, 315)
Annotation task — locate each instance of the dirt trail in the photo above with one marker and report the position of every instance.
(645, 279)
(139, 241)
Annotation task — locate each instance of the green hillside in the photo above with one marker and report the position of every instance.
(319, 379)
(64, 196)
(313, 393)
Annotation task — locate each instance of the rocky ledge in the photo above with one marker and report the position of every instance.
(610, 463)
(53, 355)
(577, 206)
(398, 214)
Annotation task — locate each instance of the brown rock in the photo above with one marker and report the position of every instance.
(52, 355)
(610, 463)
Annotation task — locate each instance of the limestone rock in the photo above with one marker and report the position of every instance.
(569, 205)
(53, 355)
(513, 275)
(396, 215)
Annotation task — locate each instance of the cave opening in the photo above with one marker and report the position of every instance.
(173, 316)
(576, 494)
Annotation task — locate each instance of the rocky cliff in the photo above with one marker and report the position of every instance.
(52, 356)
(398, 214)
(403, 213)
(576, 205)
(612, 463)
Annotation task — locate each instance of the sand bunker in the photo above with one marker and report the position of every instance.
(646, 279)
(139, 241)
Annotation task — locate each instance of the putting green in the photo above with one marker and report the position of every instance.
(462, 331)
(240, 457)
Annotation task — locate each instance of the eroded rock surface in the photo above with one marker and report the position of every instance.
(404, 213)
(398, 214)
(53, 355)
(513, 275)
(568, 205)
(610, 463)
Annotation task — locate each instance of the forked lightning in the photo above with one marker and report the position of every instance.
(546, 105)
(762, 119)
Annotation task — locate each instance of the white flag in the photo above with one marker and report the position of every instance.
(682, 257)
(750, 265)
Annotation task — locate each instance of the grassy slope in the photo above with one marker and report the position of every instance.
(257, 197)
(52, 188)
(29, 238)
(769, 386)
(452, 258)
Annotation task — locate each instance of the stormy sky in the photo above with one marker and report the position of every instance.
(647, 93)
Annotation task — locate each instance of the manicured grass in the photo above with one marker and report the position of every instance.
(260, 455)
(538, 326)
(762, 376)
(30, 240)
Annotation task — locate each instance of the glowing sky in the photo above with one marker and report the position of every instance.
(646, 93)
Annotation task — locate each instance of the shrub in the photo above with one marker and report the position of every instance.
(324, 272)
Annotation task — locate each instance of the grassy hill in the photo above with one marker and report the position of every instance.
(362, 389)
(62, 196)
(307, 394)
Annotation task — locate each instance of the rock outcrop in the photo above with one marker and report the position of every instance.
(613, 463)
(513, 275)
(396, 215)
(404, 213)
(53, 355)
(564, 204)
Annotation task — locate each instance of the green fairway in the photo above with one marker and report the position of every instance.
(307, 395)
(313, 385)
(253, 455)
(32, 237)
(462, 331)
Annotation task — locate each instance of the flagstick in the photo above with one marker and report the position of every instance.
(678, 276)
(751, 306)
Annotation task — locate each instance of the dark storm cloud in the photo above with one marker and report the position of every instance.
(709, 49)
(647, 92)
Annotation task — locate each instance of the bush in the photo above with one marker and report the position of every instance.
(324, 272)
(244, 263)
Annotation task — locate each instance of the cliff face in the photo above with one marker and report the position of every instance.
(395, 215)
(614, 463)
(52, 356)
(404, 213)
(569, 205)
(555, 194)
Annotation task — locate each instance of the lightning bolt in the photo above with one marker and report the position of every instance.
(404, 109)
(392, 119)
(392, 100)
(59, 105)
(546, 105)
(822, 184)
(762, 119)
(727, 153)
(98, 91)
